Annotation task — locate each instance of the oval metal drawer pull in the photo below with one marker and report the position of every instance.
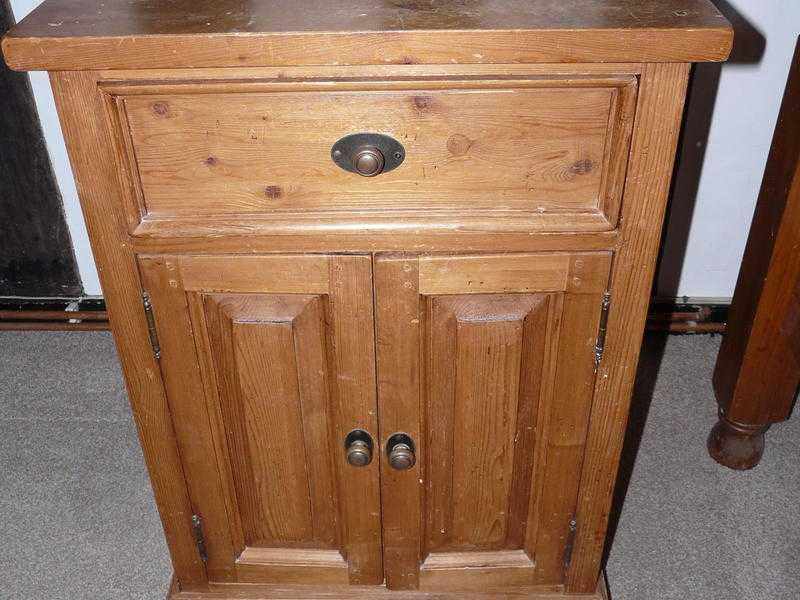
(368, 154)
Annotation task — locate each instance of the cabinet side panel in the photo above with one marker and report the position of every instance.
(92, 156)
(658, 116)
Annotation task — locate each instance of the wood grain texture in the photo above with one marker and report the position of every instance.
(400, 402)
(264, 404)
(468, 571)
(285, 274)
(489, 337)
(83, 121)
(336, 230)
(312, 75)
(87, 34)
(263, 463)
(437, 231)
(562, 453)
(258, 251)
(431, 234)
(658, 117)
(501, 273)
(544, 146)
(291, 566)
(291, 385)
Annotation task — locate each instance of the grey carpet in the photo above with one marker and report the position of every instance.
(77, 518)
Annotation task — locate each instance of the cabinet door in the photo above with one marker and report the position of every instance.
(268, 362)
(487, 363)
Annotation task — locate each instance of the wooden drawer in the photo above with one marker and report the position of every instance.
(547, 151)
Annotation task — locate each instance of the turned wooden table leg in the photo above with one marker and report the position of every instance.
(736, 445)
(758, 367)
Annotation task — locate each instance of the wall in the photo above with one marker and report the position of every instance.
(713, 201)
(722, 159)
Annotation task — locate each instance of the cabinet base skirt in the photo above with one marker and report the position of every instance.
(312, 592)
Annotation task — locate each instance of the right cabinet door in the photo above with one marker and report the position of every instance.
(486, 368)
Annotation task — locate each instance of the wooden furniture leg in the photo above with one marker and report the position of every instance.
(758, 367)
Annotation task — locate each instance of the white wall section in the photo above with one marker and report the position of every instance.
(706, 234)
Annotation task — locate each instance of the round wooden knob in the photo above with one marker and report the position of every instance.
(368, 161)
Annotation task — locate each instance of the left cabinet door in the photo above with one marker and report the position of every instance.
(268, 364)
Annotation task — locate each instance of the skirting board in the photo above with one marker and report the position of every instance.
(671, 315)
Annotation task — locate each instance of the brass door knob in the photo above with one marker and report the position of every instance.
(400, 452)
(358, 448)
(368, 161)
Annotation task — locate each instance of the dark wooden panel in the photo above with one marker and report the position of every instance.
(758, 364)
(36, 256)
(758, 368)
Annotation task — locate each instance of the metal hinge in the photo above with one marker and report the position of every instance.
(199, 538)
(568, 547)
(151, 324)
(600, 345)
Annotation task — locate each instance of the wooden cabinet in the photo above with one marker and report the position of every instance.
(410, 385)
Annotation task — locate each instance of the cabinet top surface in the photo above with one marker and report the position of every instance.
(88, 34)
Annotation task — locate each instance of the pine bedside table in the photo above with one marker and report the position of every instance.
(377, 273)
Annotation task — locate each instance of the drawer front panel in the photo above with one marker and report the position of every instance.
(543, 146)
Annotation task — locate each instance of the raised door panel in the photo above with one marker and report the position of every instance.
(269, 356)
(485, 348)
(269, 363)
(487, 363)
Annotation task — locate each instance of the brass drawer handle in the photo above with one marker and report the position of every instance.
(368, 154)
